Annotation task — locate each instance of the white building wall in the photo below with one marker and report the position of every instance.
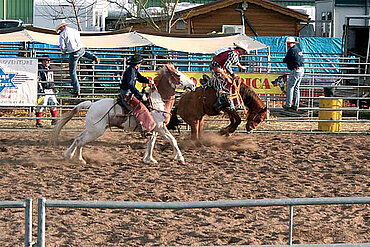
(340, 15)
(48, 13)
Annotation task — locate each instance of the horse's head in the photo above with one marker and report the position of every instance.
(178, 79)
(255, 118)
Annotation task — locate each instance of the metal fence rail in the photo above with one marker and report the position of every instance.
(27, 205)
(102, 80)
(289, 202)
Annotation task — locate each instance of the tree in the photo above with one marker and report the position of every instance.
(140, 9)
(70, 10)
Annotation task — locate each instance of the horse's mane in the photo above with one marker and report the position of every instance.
(250, 97)
(164, 75)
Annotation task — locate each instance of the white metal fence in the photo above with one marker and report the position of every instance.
(27, 205)
(102, 80)
(43, 204)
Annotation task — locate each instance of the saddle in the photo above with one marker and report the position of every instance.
(140, 111)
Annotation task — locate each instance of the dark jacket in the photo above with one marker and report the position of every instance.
(128, 83)
(294, 58)
(43, 77)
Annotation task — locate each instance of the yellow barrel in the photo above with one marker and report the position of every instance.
(330, 115)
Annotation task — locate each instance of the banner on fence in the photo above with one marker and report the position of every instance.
(260, 83)
(18, 81)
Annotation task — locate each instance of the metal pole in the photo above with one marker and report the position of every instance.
(41, 222)
(367, 53)
(290, 225)
(243, 21)
(28, 222)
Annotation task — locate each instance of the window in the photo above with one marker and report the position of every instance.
(181, 25)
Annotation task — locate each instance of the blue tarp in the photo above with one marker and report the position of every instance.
(315, 49)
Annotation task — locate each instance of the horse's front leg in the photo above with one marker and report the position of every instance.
(148, 156)
(235, 122)
(169, 137)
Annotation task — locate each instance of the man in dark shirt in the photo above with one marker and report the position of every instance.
(294, 61)
(129, 78)
(129, 95)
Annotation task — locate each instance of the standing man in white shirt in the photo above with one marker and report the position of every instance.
(70, 42)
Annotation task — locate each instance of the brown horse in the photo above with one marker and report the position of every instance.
(193, 106)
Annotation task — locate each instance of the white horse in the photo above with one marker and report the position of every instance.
(106, 113)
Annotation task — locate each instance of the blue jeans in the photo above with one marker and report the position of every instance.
(292, 92)
(73, 59)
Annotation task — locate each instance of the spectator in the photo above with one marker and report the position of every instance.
(294, 61)
(70, 42)
(46, 87)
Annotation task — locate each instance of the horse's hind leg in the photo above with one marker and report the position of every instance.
(68, 154)
(200, 127)
(86, 137)
(169, 137)
(148, 156)
(81, 140)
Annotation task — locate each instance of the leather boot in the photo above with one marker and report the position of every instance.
(54, 114)
(38, 120)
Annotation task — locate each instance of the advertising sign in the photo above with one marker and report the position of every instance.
(18, 81)
(260, 83)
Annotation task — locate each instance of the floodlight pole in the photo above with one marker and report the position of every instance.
(242, 10)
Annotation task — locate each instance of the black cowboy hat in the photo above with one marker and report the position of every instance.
(44, 57)
(135, 59)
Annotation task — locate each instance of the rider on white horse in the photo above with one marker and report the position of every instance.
(129, 92)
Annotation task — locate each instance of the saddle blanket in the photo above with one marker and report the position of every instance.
(142, 114)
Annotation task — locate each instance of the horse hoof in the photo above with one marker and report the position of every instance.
(224, 132)
(180, 159)
(67, 156)
(83, 162)
(150, 161)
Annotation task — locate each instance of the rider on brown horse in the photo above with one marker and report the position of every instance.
(129, 97)
(221, 65)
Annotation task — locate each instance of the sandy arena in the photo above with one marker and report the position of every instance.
(243, 166)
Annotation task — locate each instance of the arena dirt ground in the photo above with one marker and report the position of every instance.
(243, 166)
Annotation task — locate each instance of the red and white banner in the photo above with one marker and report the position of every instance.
(18, 81)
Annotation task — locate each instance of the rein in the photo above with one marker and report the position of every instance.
(107, 113)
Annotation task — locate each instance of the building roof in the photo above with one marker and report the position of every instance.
(212, 6)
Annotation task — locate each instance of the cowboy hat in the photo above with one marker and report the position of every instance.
(290, 40)
(61, 24)
(241, 45)
(135, 59)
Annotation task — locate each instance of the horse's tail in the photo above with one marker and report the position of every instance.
(174, 120)
(58, 127)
